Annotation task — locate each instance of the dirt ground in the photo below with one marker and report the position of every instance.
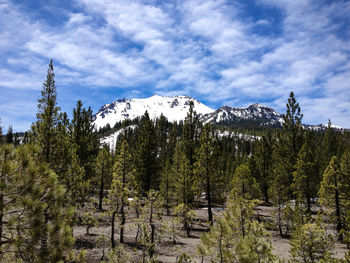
(166, 250)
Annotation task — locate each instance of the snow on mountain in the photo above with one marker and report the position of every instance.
(111, 140)
(255, 112)
(174, 108)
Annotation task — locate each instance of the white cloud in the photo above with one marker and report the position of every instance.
(206, 49)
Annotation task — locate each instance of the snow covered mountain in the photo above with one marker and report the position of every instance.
(256, 113)
(174, 108)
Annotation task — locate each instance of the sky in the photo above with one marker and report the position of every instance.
(233, 53)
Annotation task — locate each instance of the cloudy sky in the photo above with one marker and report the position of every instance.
(221, 52)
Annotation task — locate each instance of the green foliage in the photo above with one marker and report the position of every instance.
(244, 184)
(286, 150)
(189, 143)
(206, 165)
(146, 154)
(103, 173)
(334, 191)
(186, 216)
(264, 162)
(185, 184)
(85, 139)
(311, 243)
(48, 117)
(183, 258)
(151, 225)
(37, 216)
(173, 227)
(304, 178)
(236, 237)
(118, 255)
(89, 218)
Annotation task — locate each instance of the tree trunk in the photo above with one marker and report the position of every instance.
(122, 223)
(112, 232)
(167, 194)
(210, 213)
(337, 209)
(1, 219)
(266, 191)
(152, 232)
(101, 192)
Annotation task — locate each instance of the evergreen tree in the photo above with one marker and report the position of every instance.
(37, 221)
(185, 185)
(244, 184)
(236, 237)
(85, 138)
(47, 117)
(332, 196)
(161, 133)
(190, 142)
(304, 177)
(122, 185)
(167, 183)
(8, 194)
(329, 146)
(289, 144)
(264, 162)
(9, 135)
(103, 174)
(146, 155)
(167, 186)
(310, 244)
(206, 165)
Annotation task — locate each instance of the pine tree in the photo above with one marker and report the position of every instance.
(122, 184)
(103, 174)
(37, 221)
(331, 194)
(190, 141)
(304, 177)
(279, 192)
(185, 186)
(236, 237)
(47, 117)
(167, 183)
(289, 143)
(329, 146)
(167, 186)
(161, 133)
(310, 244)
(8, 194)
(85, 138)
(244, 184)
(45, 234)
(264, 162)
(206, 165)
(9, 135)
(146, 155)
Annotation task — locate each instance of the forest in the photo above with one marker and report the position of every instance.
(172, 192)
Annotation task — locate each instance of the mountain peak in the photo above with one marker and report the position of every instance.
(173, 108)
(257, 105)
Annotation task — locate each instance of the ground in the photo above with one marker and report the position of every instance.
(166, 250)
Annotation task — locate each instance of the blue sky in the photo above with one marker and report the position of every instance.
(232, 53)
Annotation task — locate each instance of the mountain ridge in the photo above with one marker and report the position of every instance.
(175, 109)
